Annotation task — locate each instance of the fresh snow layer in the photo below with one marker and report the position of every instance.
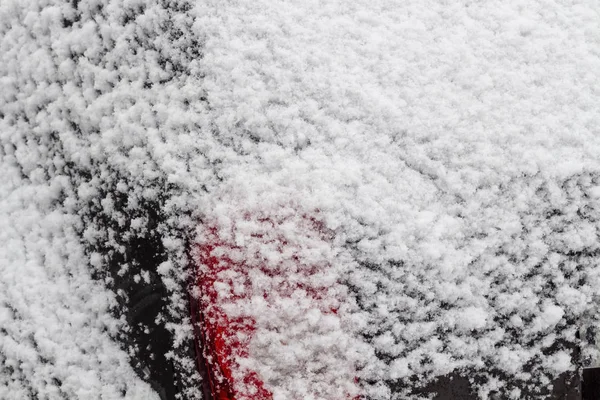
(56, 333)
(87, 91)
(448, 149)
(451, 147)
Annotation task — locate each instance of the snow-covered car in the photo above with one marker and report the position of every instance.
(299, 199)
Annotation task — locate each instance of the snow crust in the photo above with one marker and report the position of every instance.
(450, 149)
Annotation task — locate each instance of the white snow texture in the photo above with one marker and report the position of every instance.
(449, 149)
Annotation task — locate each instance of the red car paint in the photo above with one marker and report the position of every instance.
(221, 340)
(219, 335)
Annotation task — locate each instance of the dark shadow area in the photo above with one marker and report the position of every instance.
(143, 299)
(457, 386)
(453, 386)
(132, 260)
(590, 385)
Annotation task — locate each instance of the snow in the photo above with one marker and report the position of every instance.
(71, 145)
(470, 318)
(448, 149)
(57, 334)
